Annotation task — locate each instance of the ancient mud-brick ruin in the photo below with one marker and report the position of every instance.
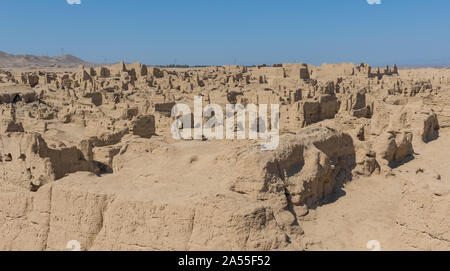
(87, 155)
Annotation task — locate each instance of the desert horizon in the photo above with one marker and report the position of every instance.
(68, 61)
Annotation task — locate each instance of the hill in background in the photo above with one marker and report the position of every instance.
(26, 61)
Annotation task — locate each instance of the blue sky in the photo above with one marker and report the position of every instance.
(230, 31)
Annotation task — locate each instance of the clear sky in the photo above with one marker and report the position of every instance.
(230, 31)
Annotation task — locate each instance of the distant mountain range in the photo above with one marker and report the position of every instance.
(29, 61)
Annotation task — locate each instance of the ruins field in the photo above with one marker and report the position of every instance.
(87, 154)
